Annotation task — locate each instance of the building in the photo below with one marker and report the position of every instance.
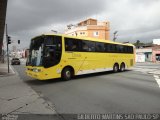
(144, 54)
(148, 54)
(156, 53)
(156, 41)
(20, 53)
(3, 7)
(89, 28)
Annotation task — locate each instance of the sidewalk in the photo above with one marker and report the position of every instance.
(16, 97)
(4, 70)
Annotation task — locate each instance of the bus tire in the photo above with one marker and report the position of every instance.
(122, 67)
(115, 67)
(66, 74)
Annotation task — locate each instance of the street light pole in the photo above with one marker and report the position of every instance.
(115, 37)
(7, 47)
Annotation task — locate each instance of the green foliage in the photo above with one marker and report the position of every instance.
(139, 44)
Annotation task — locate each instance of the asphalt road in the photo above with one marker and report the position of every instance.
(124, 92)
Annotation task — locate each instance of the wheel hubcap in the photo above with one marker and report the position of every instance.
(68, 74)
(116, 68)
(122, 68)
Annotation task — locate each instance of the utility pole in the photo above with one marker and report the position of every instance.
(7, 41)
(115, 36)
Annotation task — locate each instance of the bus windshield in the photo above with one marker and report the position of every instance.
(36, 52)
(45, 51)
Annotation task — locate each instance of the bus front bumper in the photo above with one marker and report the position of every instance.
(35, 75)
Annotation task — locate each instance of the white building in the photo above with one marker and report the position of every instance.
(143, 55)
(156, 41)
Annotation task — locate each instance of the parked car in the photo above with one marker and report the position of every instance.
(15, 61)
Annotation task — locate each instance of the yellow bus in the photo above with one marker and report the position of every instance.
(61, 56)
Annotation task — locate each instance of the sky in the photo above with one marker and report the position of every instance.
(133, 19)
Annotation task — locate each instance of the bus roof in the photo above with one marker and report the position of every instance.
(87, 38)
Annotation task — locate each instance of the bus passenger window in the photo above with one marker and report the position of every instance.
(100, 47)
(85, 47)
(74, 47)
(71, 44)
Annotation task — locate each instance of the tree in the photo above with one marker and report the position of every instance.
(138, 44)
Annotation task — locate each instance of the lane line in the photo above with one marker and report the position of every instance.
(153, 71)
(156, 77)
(11, 68)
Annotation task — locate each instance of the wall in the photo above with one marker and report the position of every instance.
(148, 56)
(144, 55)
(3, 6)
(91, 26)
(140, 58)
(154, 55)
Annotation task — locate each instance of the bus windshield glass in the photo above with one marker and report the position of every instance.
(36, 52)
(45, 51)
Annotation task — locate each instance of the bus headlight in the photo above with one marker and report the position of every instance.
(36, 70)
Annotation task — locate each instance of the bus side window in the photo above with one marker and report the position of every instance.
(85, 47)
(119, 48)
(91, 46)
(111, 48)
(130, 49)
(88, 46)
(125, 49)
(66, 47)
(106, 47)
(100, 47)
(68, 44)
(72, 44)
(74, 47)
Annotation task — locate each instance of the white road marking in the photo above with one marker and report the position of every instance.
(155, 72)
(11, 68)
(144, 70)
(156, 77)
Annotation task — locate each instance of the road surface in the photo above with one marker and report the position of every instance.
(132, 91)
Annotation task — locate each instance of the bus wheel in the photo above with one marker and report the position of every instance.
(122, 68)
(67, 74)
(115, 68)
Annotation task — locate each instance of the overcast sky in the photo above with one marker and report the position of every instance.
(133, 19)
